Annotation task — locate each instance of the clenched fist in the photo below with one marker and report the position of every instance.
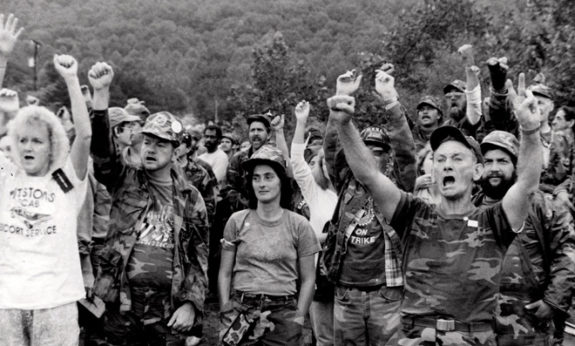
(66, 65)
(101, 75)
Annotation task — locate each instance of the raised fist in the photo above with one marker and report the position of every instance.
(498, 71)
(101, 75)
(466, 53)
(8, 34)
(9, 101)
(66, 65)
(385, 84)
(301, 111)
(348, 83)
(277, 123)
(341, 107)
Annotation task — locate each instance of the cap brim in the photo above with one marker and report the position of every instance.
(429, 104)
(450, 87)
(441, 133)
(378, 143)
(251, 163)
(157, 134)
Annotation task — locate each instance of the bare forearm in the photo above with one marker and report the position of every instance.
(305, 295)
(224, 282)
(358, 156)
(101, 99)
(530, 161)
(299, 134)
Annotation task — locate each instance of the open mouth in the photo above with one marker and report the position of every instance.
(448, 181)
(150, 158)
(28, 157)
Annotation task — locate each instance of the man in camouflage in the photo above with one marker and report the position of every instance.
(537, 273)
(154, 266)
(453, 250)
(362, 254)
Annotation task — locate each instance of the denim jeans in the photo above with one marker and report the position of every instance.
(366, 317)
(43, 327)
(321, 317)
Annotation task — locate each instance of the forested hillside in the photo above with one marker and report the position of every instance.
(236, 57)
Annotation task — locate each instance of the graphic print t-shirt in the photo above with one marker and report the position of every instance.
(150, 264)
(39, 258)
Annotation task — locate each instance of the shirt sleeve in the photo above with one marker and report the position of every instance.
(307, 243)
(497, 220)
(406, 209)
(302, 171)
(231, 232)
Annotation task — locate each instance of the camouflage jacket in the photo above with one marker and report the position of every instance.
(200, 174)
(352, 196)
(548, 264)
(130, 200)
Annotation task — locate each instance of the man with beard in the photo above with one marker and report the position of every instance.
(362, 256)
(214, 156)
(452, 251)
(537, 275)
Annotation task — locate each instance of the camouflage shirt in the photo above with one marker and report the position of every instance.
(452, 264)
(200, 174)
(131, 198)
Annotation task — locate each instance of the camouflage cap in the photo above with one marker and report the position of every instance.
(501, 140)
(267, 154)
(117, 115)
(456, 85)
(164, 125)
(541, 90)
(445, 133)
(377, 136)
(430, 101)
(136, 107)
(262, 118)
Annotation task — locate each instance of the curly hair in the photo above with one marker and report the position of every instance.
(40, 116)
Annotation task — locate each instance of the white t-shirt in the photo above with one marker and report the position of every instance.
(39, 258)
(218, 160)
(321, 202)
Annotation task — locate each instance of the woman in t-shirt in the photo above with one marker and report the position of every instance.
(267, 273)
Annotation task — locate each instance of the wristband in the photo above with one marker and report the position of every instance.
(391, 104)
(529, 132)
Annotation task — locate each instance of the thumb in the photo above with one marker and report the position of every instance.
(532, 306)
(172, 320)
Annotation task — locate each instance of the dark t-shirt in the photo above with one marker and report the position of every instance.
(150, 264)
(452, 264)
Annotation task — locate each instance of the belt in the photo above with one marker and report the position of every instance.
(447, 325)
(244, 297)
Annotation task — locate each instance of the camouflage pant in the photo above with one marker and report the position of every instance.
(274, 326)
(366, 317)
(414, 335)
(44, 327)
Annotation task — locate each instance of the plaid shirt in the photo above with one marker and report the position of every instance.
(353, 197)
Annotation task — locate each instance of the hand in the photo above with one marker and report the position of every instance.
(9, 101)
(301, 111)
(277, 123)
(424, 181)
(385, 84)
(183, 319)
(525, 104)
(8, 34)
(299, 320)
(498, 71)
(341, 107)
(564, 201)
(347, 83)
(540, 309)
(66, 65)
(101, 75)
(466, 53)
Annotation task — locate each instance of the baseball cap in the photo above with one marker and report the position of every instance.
(117, 115)
(445, 133)
(457, 85)
(267, 154)
(430, 101)
(377, 136)
(231, 137)
(136, 107)
(261, 118)
(164, 125)
(541, 90)
(501, 140)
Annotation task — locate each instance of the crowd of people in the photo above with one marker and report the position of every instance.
(448, 225)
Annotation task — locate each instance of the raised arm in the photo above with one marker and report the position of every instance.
(359, 157)
(106, 160)
(67, 67)
(530, 162)
(472, 88)
(277, 126)
(8, 36)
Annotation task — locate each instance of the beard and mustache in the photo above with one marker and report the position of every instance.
(497, 192)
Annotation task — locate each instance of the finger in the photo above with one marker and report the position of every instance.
(511, 92)
(521, 85)
(172, 320)
(9, 21)
(388, 68)
(14, 25)
(492, 61)
(19, 32)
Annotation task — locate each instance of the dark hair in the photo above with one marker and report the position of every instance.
(569, 114)
(286, 188)
(214, 128)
